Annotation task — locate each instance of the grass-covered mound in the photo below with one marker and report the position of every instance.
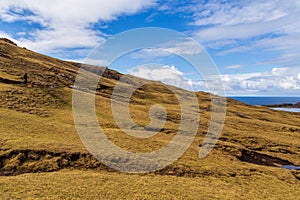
(42, 156)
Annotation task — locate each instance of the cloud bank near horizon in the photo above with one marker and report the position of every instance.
(251, 84)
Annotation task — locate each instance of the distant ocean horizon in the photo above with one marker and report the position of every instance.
(259, 100)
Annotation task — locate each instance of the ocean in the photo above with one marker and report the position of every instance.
(269, 101)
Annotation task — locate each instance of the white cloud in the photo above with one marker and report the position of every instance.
(150, 54)
(97, 62)
(181, 47)
(66, 23)
(278, 81)
(5, 35)
(241, 13)
(248, 25)
(173, 76)
(49, 41)
(234, 67)
(167, 74)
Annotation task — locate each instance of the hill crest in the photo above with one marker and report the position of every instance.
(36, 118)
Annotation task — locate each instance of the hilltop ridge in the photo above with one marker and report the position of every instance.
(37, 132)
(56, 73)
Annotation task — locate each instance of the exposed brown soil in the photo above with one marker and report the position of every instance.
(14, 162)
(9, 81)
(261, 159)
(285, 105)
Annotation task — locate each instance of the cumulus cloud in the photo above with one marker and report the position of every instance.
(171, 75)
(167, 74)
(278, 81)
(67, 23)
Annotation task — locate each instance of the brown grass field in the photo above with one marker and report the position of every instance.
(42, 156)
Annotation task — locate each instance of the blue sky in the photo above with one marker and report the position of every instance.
(255, 44)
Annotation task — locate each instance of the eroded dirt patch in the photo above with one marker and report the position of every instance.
(14, 162)
(261, 159)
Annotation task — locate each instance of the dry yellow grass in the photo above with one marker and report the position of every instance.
(37, 134)
(101, 185)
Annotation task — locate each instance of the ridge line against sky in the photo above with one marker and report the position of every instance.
(254, 43)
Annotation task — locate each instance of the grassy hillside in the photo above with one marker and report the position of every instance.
(42, 156)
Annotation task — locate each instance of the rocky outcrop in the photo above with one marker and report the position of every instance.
(284, 105)
(8, 41)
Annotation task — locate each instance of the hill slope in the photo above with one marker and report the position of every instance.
(37, 134)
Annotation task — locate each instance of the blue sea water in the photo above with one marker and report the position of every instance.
(267, 100)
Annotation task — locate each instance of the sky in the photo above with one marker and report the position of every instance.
(253, 43)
